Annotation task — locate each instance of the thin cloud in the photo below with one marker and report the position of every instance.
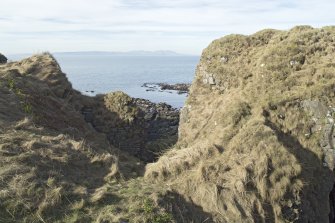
(181, 25)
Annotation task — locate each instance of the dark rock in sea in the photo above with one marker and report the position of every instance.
(176, 87)
(182, 92)
(181, 88)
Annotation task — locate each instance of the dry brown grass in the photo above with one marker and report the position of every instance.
(45, 176)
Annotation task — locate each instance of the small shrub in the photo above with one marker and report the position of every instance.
(11, 84)
(27, 108)
(154, 215)
(148, 206)
(162, 218)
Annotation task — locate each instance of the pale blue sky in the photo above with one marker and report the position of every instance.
(184, 26)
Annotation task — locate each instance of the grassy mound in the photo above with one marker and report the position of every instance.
(256, 134)
(121, 104)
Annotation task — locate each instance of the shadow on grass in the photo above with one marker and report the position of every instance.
(184, 211)
(318, 180)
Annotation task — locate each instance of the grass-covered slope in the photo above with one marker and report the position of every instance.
(51, 163)
(54, 166)
(256, 140)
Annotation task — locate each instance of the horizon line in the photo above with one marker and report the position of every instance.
(103, 51)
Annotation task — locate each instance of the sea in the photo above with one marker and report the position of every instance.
(94, 74)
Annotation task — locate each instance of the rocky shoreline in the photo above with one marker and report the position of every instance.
(181, 88)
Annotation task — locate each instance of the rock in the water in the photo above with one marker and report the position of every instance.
(181, 88)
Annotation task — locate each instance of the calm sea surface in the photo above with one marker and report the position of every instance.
(106, 73)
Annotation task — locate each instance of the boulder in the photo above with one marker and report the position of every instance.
(3, 59)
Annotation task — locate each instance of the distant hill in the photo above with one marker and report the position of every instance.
(128, 53)
(17, 57)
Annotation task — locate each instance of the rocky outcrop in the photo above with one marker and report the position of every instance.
(137, 126)
(3, 59)
(256, 136)
(181, 88)
(322, 122)
(161, 123)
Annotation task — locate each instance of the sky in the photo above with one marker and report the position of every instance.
(183, 26)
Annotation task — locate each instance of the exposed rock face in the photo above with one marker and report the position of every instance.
(322, 122)
(160, 124)
(3, 59)
(256, 136)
